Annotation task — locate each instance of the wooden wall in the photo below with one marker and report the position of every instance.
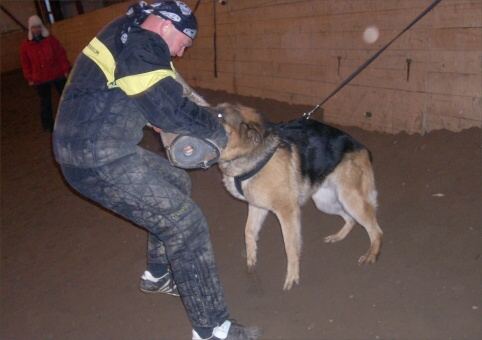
(10, 50)
(288, 50)
(299, 51)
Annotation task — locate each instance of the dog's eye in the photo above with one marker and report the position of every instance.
(221, 117)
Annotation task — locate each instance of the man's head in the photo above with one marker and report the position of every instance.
(174, 22)
(36, 30)
(36, 27)
(176, 40)
(179, 14)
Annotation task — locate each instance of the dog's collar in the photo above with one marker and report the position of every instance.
(249, 174)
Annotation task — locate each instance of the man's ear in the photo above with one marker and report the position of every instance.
(165, 25)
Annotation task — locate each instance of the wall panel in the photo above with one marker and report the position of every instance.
(298, 51)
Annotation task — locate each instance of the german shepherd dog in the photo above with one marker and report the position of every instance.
(278, 167)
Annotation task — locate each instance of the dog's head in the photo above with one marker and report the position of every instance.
(246, 129)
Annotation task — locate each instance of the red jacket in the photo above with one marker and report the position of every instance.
(44, 61)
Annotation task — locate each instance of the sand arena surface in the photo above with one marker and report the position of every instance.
(70, 269)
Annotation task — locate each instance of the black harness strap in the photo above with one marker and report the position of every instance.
(249, 174)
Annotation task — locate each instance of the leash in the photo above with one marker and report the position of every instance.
(369, 61)
(195, 7)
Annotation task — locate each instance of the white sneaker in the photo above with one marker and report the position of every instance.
(231, 331)
(219, 332)
(164, 284)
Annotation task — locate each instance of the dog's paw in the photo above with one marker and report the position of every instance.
(251, 268)
(367, 259)
(332, 238)
(289, 282)
(251, 259)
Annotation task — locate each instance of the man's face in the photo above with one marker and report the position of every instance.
(176, 40)
(36, 30)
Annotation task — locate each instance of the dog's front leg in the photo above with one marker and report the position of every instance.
(256, 217)
(290, 220)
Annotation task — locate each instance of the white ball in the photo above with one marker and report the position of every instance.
(371, 34)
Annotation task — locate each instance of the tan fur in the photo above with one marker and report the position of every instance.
(349, 191)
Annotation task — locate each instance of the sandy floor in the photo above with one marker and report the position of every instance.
(70, 270)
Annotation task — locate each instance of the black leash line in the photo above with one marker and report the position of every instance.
(215, 41)
(197, 4)
(368, 62)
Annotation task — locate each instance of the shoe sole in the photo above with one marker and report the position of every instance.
(157, 292)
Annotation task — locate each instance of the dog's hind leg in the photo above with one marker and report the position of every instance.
(356, 192)
(343, 232)
(364, 213)
(290, 220)
(326, 200)
(256, 217)
(350, 193)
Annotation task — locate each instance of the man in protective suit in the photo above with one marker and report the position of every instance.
(123, 80)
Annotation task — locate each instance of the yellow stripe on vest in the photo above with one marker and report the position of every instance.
(131, 85)
(138, 83)
(101, 55)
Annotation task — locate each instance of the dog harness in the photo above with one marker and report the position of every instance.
(249, 174)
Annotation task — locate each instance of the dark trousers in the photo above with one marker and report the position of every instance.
(45, 94)
(146, 189)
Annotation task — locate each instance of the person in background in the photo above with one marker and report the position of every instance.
(124, 80)
(44, 62)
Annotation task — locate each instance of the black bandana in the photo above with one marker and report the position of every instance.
(177, 11)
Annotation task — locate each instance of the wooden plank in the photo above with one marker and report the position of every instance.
(456, 39)
(391, 111)
(459, 84)
(460, 107)
(11, 42)
(75, 33)
(437, 122)
(458, 14)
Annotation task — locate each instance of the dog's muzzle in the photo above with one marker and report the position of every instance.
(189, 152)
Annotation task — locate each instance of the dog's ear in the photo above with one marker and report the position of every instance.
(254, 133)
(250, 133)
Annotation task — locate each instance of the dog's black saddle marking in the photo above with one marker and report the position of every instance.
(321, 146)
(249, 174)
